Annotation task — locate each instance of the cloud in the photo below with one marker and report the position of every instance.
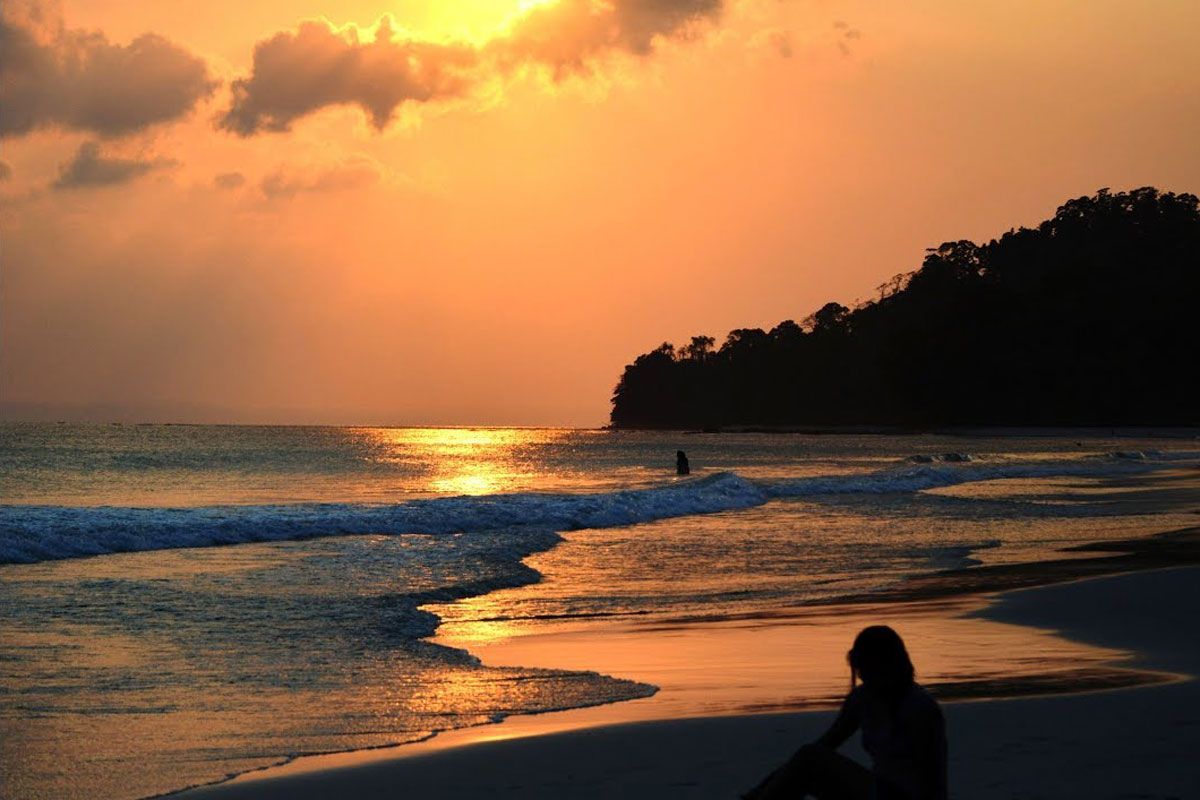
(569, 33)
(229, 180)
(295, 74)
(92, 169)
(352, 174)
(5, 171)
(77, 79)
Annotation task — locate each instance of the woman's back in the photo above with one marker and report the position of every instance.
(905, 735)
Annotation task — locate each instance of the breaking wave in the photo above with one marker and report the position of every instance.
(33, 533)
(40, 533)
(972, 469)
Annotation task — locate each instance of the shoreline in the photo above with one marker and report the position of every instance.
(962, 594)
(1101, 743)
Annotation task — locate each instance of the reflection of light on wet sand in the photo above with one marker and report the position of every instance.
(774, 663)
(489, 625)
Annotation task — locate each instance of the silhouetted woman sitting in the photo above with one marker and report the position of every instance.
(902, 730)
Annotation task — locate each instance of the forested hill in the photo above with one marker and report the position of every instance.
(1091, 318)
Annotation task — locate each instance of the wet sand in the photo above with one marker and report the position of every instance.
(710, 735)
(1170, 549)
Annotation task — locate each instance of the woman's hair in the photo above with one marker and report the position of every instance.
(879, 651)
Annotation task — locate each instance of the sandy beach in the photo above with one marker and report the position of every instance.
(1130, 742)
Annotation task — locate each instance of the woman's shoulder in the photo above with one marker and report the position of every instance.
(920, 699)
(921, 694)
(915, 699)
(856, 700)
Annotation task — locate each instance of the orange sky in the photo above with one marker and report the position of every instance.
(482, 215)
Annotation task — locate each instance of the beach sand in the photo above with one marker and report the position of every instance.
(1120, 743)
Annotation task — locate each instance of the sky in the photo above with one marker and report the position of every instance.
(478, 211)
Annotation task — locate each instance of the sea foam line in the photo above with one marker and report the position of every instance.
(32, 533)
(969, 469)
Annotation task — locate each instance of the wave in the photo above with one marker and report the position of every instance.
(973, 469)
(34, 533)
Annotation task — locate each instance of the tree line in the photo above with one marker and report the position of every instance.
(1088, 319)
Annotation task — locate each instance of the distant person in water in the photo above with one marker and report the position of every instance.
(681, 463)
(902, 730)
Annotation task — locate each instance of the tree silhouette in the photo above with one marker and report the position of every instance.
(1087, 319)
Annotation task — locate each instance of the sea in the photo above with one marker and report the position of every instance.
(183, 603)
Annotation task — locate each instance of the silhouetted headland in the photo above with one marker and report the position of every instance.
(1087, 319)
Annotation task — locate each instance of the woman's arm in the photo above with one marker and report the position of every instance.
(844, 725)
(818, 756)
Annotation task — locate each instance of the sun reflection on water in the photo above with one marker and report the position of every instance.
(464, 461)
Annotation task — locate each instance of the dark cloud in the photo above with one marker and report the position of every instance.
(76, 79)
(229, 180)
(297, 73)
(90, 169)
(353, 174)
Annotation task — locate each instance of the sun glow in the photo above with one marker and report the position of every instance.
(472, 461)
(477, 21)
(474, 22)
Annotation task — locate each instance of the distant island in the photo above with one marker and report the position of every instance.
(1091, 318)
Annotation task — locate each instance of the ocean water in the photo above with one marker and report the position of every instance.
(182, 603)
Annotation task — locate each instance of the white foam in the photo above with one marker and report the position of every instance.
(940, 473)
(30, 533)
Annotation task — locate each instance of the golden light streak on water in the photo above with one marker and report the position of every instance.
(467, 461)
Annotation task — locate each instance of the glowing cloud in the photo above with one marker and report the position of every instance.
(319, 66)
(570, 33)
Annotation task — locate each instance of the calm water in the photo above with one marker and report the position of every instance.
(178, 603)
